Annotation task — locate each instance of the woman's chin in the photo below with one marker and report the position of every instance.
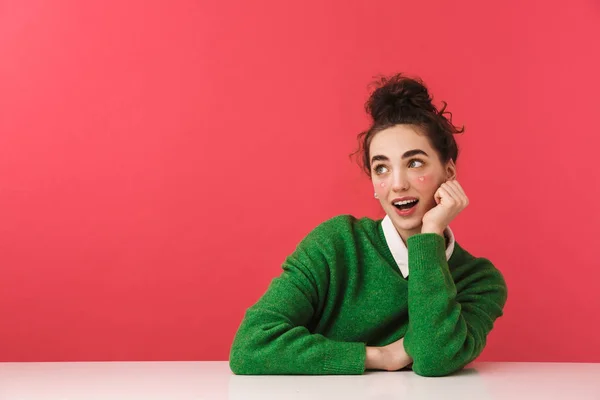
(407, 223)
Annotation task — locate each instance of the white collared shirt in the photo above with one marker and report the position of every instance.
(398, 248)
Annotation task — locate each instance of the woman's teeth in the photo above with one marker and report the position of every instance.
(406, 204)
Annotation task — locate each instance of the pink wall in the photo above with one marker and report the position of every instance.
(158, 161)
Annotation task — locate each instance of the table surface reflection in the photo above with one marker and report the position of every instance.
(213, 380)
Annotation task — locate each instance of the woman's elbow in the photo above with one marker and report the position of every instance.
(435, 364)
(239, 367)
(246, 358)
(434, 369)
(242, 361)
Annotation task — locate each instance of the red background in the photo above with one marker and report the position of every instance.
(158, 161)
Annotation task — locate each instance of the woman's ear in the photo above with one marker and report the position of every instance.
(450, 170)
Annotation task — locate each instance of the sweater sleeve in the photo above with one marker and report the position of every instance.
(448, 323)
(273, 337)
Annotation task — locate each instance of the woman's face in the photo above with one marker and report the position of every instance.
(406, 172)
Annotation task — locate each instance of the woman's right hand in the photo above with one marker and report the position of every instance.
(388, 358)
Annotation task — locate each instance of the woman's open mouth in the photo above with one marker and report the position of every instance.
(405, 207)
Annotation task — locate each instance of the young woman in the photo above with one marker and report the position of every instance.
(386, 294)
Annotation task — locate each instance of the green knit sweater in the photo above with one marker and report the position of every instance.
(341, 291)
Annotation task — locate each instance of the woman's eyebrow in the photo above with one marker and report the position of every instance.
(379, 158)
(408, 154)
(414, 152)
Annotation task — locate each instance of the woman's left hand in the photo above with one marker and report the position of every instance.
(451, 200)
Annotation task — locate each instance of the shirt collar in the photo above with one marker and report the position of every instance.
(398, 248)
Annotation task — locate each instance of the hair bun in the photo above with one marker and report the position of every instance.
(397, 98)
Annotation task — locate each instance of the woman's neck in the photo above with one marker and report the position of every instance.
(406, 234)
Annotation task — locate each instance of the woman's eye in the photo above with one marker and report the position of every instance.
(415, 163)
(380, 169)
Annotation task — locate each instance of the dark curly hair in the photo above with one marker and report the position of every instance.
(402, 100)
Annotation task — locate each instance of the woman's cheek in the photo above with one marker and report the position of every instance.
(427, 186)
(380, 188)
(422, 181)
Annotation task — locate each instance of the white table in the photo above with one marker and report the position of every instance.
(214, 381)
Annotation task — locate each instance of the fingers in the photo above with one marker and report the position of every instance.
(464, 197)
(444, 196)
(456, 191)
(451, 190)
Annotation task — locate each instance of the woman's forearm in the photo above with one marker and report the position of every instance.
(374, 358)
(388, 358)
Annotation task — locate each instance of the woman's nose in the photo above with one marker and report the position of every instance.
(400, 181)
